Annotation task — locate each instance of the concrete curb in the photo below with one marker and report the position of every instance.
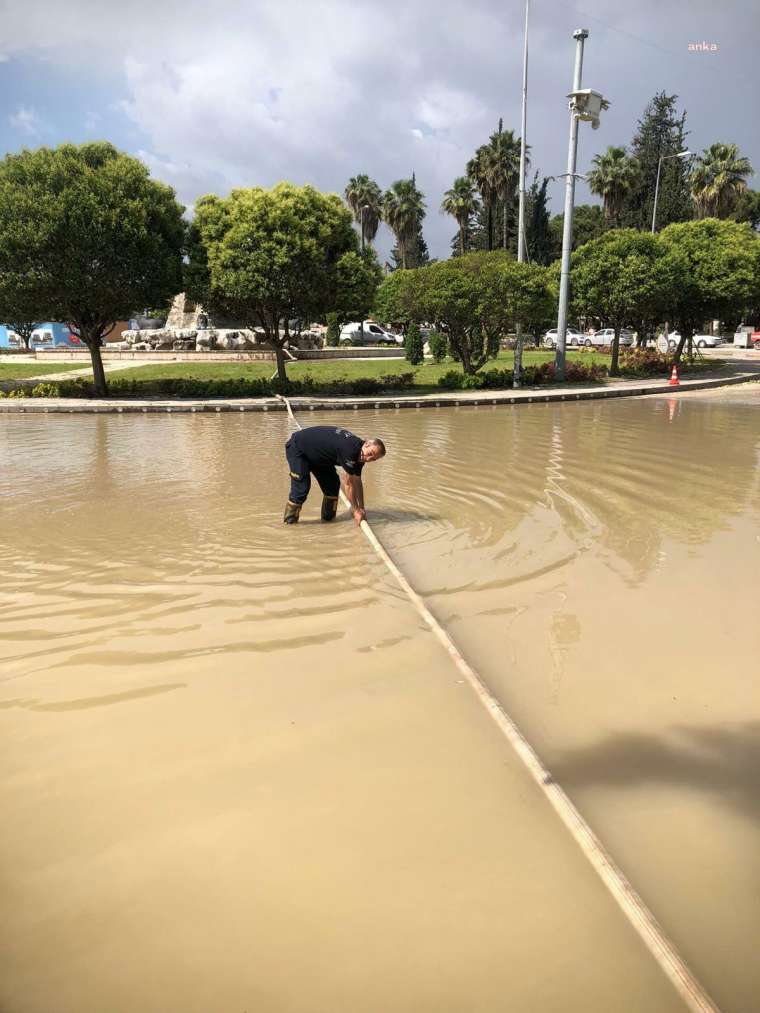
(458, 399)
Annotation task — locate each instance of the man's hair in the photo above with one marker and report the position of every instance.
(379, 444)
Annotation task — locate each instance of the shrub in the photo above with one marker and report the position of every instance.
(472, 381)
(414, 345)
(45, 390)
(451, 380)
(333, 330)
(439, 346)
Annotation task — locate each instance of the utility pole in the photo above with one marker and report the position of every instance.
(517, 371)
(580, 35)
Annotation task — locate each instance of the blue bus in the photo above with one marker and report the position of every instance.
(44, 336)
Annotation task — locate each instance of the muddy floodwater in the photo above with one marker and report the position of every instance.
(239, 775)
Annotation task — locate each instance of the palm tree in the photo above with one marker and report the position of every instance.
(718, 180)
(507, 170)
(364, 193)
(461, 203)
(614, 176)
(403, 210)
(482, 169)
(495, 171)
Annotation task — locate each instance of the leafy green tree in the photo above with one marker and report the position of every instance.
(86, 235)
(332, 338)
(365, 198)
(588, 224)
(472, 299)
(660, 131)
(622, 276)
(414, 346)
(747, 208)
(720, 273)
(390, 307)
(403, 211)
(530, 301)
(21, 298)
(718, 179)
(266, 257)
(613, 178)
(461, 203)
(359, 276)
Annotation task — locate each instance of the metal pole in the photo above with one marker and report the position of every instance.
(521, 217)
(361, 322)
(656, 192)
(517, 371)
(580, 35)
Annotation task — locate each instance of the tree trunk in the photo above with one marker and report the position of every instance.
(679, 349)
(280, 357)
(461, 240)
(489, 241)
(517, 370)
(615, 348)
(98, 373)
(504, 230)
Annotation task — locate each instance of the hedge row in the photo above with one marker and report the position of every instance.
(634, 363)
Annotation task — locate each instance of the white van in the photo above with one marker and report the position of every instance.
(374, 334)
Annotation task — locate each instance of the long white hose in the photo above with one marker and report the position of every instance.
(638, 914)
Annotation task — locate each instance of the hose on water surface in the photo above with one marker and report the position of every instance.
(634, 908)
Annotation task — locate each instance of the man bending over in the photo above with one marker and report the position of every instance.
(318, 450)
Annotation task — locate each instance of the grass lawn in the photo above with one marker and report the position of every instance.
(426, 376)
(21, 370)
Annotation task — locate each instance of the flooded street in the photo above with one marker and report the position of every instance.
(239, 774)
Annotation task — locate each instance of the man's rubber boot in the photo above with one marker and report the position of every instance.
(329, 507)
(292, 510)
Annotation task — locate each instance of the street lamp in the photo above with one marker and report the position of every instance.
(365, 207)
(679, 154)
(585, 104)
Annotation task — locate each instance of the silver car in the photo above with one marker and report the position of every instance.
(606, 336)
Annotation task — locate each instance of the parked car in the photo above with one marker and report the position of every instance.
(606, 336)
(700, 340)
(572, 337)
(374, 334)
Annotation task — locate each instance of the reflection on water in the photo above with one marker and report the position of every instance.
(323, 811)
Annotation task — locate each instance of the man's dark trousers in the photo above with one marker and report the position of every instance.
(300, 476)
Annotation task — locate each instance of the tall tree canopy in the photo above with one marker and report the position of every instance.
(365, 198)
(461, 203)
(660, 131)
(87, 237)
(266, 257)
(613, 178)
(718, 179)
(403, 211)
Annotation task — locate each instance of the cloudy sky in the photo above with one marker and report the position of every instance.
(247, 92)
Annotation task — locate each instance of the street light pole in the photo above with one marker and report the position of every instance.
(679, 154)
(517, 370)
(365, 207)
(521, 215)
(580, 35)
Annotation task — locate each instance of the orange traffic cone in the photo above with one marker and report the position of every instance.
(674, 377)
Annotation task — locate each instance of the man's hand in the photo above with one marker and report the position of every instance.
(360, 514)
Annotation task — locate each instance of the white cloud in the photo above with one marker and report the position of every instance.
(264, 91)
(26, 120)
